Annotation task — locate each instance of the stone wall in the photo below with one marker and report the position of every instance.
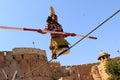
(32, 64)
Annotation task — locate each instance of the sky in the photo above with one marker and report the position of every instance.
(76, 16)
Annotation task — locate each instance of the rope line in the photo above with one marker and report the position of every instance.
(75, 42)
(91, 31)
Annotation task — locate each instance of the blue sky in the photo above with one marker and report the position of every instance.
(78, 16)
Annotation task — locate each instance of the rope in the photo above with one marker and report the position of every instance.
(35, 69)
(75, 42)
(91, 31)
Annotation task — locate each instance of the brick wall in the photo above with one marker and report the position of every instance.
(32, 64)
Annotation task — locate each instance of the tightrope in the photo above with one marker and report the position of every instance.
(74, 43)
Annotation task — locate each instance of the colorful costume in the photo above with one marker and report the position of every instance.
(58, 42)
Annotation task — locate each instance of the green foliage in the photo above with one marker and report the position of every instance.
(114, 78)
(113, 68)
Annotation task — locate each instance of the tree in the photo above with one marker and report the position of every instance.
(113, 68)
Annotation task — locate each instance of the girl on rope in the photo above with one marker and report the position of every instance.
(58, 43)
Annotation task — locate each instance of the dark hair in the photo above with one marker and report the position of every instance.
(53, 15)
(49, 20)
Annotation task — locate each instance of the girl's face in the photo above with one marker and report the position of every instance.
(54, 18)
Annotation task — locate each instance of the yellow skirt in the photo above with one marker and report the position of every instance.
(58, 45)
